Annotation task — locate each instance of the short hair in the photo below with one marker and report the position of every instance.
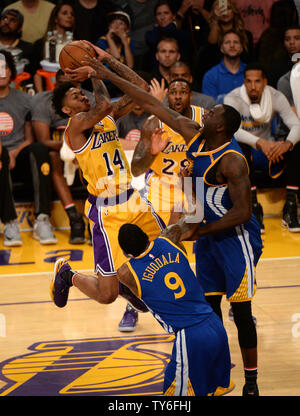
(180, 64)
(10, 62)
(180, 80)
(221, 39)
(292, 27)
(162, 3)
(255, 66)
(132, 239)
(232, 119)
(58, 96)
(169, 40)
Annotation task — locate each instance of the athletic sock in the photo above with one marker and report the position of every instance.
(250, 377)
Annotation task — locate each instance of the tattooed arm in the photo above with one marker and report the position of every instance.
(125, 104)
(84, 121)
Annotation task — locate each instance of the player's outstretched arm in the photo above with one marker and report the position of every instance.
(183, 125)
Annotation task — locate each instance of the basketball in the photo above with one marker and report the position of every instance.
(73, 53)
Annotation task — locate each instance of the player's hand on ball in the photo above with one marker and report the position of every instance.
(101, 54)
(79, 74)
(100, 70)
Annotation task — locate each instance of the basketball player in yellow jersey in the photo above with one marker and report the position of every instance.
(163, 153)
(93, 136)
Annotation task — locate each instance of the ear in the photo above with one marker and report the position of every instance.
(178, 58)
(220, 127)
(67, 110)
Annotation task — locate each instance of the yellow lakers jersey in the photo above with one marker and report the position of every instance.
(173, 157)
(102, 160)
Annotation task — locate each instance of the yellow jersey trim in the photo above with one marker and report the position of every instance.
(136, 280)
(146, 251)
(174, 245)
(216, 160)
(194, 139)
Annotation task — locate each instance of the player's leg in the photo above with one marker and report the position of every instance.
(215, 303)
(63, 191)
(247, 336)
(152, 224)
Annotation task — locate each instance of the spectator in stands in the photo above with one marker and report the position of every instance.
(129, 127)
(92, 17)
(292, 45)
(8, 214)
(229, 73)
(11, 23)
(61, 20)
(271, 49)
(167, 54)
(142, 18)
(49, 128)
(36, 15)
(221, 21)
(166, 27)
(18, 139)
(118, 43)
(182, 70)
(192, 17)
(256, 16)
(117, 40)
(258, 104)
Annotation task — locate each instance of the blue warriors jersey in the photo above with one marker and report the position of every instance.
(168, 286)
(225, 262)
(204, 165)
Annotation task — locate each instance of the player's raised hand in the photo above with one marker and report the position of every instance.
(79, 74)
(101, 54)
(158, 144)
(158, 90)
(100, 70)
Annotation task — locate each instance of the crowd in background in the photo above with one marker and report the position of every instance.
(209, 45)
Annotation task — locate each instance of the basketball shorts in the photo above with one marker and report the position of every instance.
(200, 361)
(225, 262)
(261, 162)
(107, 215)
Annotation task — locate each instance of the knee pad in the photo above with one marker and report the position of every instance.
(242, 315)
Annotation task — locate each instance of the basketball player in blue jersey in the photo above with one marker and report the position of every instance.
(93, 136)
(228, 241)
(159, 273)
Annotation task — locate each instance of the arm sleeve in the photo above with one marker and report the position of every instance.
(289, 118)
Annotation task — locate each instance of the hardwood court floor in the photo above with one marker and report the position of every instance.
(76, 350)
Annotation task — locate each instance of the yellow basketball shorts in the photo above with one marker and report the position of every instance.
(107, 215)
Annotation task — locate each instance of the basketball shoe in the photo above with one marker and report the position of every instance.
(129, 320)
(59, 288)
